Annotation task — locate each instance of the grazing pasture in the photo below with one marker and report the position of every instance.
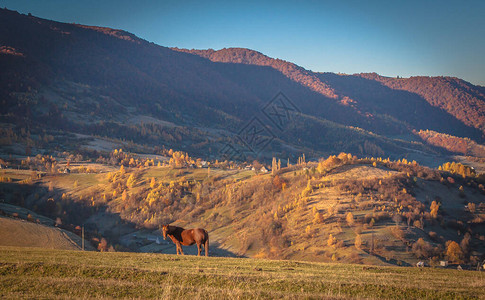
(42, 273)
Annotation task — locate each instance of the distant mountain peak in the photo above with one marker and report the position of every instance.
(118, 33)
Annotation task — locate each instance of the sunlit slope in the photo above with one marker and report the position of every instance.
(21, 233)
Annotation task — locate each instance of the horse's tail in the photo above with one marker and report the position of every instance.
(206, 244)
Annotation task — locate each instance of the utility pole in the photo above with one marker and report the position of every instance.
(82, 237)
(372, 244)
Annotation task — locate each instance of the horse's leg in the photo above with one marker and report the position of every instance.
(206, 246)
(177, 245)
(199, 249)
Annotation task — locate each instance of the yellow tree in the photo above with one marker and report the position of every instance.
(434, 209)
(318, 218)
(131, 181)
(358, 241)
(472, 207)
(454, 252)
(350, 219)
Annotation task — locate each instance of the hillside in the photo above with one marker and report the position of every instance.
(345, 209)
(459, 98)
(21, 227)
(70, 87)
(20, 233)
(39, 273)
(444, 104)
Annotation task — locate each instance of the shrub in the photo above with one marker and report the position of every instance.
(418, 224)
(471, 207)
(422, 249)
(433, 236)
(465, 243)
(397, 232)
(327, 164)
(103, 245)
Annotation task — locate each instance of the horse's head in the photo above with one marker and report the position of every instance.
(164, 231)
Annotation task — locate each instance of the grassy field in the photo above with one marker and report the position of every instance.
(22, 233)
(41, 273)
(27, 234)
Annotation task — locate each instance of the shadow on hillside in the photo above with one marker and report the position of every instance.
(391, 261)
(47, 205)
(214, 250)
(400, 104)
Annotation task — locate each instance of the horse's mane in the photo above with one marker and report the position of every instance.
(171, 229)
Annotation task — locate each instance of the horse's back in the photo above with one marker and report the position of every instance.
(192, 236)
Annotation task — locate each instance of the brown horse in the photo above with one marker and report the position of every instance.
(187, 237)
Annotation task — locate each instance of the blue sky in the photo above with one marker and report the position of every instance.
(391, 38)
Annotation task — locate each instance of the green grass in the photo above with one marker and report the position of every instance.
(39, 273)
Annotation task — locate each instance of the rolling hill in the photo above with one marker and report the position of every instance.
(65, 87)
(341, 209)
(25, 231)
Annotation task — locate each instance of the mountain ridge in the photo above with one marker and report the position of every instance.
(463, 113)
(90, 80)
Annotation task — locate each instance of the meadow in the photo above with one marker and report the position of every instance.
(42, 273)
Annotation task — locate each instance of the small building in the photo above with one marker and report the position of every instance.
(443, 263)
(264, 170)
